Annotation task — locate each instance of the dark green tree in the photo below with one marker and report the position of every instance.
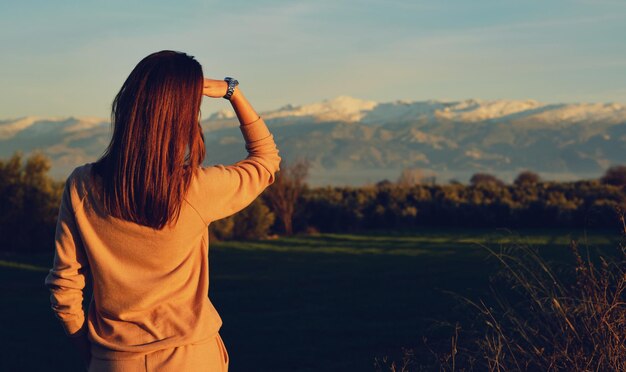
(615, 175)
(485, 179)
(29, 203)
(526, 178)
(283, 194)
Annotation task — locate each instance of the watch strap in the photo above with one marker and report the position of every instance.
(232, 83)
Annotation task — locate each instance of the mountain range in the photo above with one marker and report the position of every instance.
(351, 141)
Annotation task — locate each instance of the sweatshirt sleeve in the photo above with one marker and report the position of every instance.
(225, 190)
(66, 280)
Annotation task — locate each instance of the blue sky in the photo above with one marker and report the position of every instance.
(70, 58)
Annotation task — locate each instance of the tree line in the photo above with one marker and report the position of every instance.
(29, 202)
(580, 204)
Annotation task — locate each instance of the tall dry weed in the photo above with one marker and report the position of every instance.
(543, 316)
(546, 317)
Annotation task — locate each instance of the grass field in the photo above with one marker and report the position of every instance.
(330, 302)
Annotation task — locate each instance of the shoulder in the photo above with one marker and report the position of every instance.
(79, 173)
(78, 182)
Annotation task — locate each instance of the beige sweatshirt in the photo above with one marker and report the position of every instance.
(150, 287)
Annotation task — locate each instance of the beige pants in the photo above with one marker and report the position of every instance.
(206, 357)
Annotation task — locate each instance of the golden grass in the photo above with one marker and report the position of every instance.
(541, 316)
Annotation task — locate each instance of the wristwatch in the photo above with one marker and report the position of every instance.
(232, 83)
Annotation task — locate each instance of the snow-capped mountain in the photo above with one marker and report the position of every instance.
(354, 141)
(349, 109)
(342, 108)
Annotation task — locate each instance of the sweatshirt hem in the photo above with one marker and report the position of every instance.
(103, 353)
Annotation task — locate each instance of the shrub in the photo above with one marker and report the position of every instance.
(253, 222)
(222, 229)
(29, 204)
(485, 179)
(526, 178)
(615, 175)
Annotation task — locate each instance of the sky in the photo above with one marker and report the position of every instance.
(69, 58)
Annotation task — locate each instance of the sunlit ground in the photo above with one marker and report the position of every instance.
(331, 302)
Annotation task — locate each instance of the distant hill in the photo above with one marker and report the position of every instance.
(353, 141)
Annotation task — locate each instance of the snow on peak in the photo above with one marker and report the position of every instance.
(478, 110)
(350, 109)
(83, 123)
(10, 128)
(222, 114)
(343, 108)
(581, 112)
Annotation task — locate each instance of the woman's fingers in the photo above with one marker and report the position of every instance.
(214, 88)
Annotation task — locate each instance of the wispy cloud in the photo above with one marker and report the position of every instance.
(480, 48)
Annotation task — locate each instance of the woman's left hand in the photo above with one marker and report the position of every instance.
(214, 88)
(83, 346)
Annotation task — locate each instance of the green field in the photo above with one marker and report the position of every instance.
(331, 302)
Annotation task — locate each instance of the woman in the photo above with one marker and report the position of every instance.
(135, 224)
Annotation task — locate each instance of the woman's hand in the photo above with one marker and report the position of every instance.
(214, 88)
(83, 346)
(218, 89)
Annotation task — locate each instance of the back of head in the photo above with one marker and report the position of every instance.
(157, 140)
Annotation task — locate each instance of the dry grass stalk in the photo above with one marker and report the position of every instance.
(545, 321)
(546, 318)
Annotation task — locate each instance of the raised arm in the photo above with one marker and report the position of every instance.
(224, 190)
(217, 89)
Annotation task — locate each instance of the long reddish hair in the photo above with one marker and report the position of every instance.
(157, 140)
